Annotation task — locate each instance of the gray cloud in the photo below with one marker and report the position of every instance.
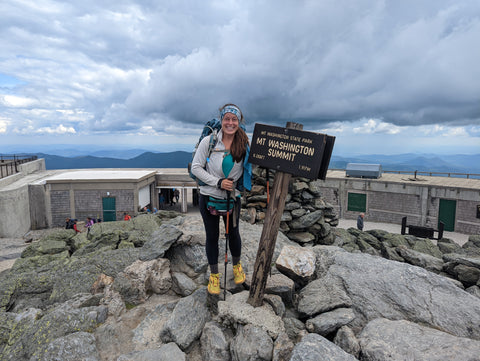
(132, 66)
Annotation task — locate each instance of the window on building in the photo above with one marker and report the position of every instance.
(357, 202)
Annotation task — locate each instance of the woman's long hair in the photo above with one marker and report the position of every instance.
(240, 141)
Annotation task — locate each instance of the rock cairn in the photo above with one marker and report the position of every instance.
(307, 219)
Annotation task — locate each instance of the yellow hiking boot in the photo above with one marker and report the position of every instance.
(214, 284)
(238, 274)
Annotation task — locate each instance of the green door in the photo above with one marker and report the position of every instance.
(446, 214)
(109, 213)
(357, 202)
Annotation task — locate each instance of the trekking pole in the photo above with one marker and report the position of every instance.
(227, 238)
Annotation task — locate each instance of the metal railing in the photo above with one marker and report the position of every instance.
(435, 174)
(416, 173)
(9, 163)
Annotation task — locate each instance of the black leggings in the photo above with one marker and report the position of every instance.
(212, 231)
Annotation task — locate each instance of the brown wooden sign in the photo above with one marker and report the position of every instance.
(293, 151)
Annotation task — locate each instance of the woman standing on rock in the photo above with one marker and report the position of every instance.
(220, 171)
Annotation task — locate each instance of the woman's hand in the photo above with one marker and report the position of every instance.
(227, 184)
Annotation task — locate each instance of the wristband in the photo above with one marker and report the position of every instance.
(219, 183)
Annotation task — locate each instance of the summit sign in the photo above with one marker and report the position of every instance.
(293, 151)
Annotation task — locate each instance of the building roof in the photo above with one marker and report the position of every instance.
(101, 175)
(454, 182)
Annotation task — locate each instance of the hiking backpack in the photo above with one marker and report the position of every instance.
(212, 127)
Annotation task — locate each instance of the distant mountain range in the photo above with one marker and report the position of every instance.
(177, 159)
(401, 162)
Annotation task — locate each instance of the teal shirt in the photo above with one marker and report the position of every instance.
(227, 164)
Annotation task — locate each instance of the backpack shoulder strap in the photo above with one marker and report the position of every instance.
(212, 143)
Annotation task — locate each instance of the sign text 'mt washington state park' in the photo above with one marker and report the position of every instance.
(293, 151)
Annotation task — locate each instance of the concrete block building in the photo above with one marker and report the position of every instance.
(424, 200)
(105, 193)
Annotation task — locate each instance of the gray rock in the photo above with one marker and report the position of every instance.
(446, 245)
(257, 198)
(282, 348)
(315, 187)
(146, 334)
(329, 322)
(465, 268)
(27, 264)
(390, 252)
(31, 337)
(214, 344)
(426, 246)
(73, 347)
(182, 284)
(314, 347)
(307, 196)
(346, 340)
(322, 295)
(298, 187)
(402, 292)
(159, 242)
(168, 352)
(296, 213)
(251, 343)
(306, 221)
(474, 290)
(392, 240)
(277, 284)
(467, 275)
(290, 206)
(419, 259)
(472, 246)
(276, 302)
(294, 328)
(301, 237)
(236, 311)
(188, 318)
(365, 247)
(45, 246)
(190, 260)
(342, 236)
(297, 263)
(383, 339)
(143, 278)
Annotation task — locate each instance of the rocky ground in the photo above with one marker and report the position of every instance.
(136, 291)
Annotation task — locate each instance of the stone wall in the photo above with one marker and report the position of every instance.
(307, 217)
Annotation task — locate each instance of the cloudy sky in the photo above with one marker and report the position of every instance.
(381, 76)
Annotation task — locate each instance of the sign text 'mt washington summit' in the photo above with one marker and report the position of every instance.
(288, 150)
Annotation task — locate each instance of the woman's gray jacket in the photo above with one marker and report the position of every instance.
(210, 172)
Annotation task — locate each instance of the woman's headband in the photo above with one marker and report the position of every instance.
(231, 109)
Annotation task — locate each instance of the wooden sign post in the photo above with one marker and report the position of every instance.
(290, 151)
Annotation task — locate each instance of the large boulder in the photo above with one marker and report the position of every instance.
(32, 335)
(251, 343)
(73, 347)
(402, 292)
(315, 347)
(187, 320)
(236, 311)
(384, 339)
